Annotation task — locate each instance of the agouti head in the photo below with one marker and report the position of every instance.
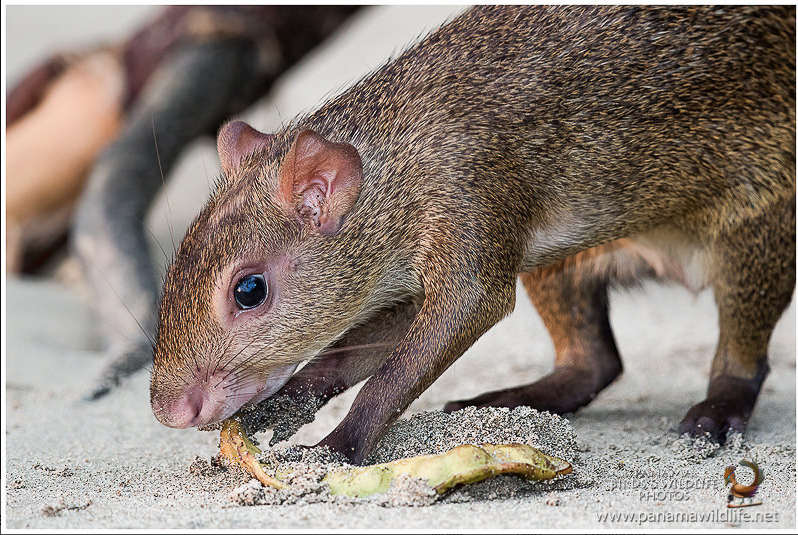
(259, 283)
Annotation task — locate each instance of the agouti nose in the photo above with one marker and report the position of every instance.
(185, 412)
(206, 401)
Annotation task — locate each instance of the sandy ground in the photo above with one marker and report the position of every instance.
(110, 464)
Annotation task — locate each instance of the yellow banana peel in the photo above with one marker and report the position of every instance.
(459, 466)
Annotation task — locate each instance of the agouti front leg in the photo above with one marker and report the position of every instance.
(573, 305)
(455, 312)
(753, 280)
(357, 355)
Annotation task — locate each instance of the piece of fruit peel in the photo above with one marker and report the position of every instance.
(236, 447)
(459, 466)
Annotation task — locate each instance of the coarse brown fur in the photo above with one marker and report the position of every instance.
(577, 146)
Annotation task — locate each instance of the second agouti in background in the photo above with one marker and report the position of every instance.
(580, 147)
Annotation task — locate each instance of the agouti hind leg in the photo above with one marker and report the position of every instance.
(753, 279)
(573, 304)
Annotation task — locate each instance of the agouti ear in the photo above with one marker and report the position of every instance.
(320, 181)
(236, 140)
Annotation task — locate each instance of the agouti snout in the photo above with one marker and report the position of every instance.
(577, 147)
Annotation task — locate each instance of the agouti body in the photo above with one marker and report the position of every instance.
(579, 147)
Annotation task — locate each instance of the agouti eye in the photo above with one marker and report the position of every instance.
(250, 291)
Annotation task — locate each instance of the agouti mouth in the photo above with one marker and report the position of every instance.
(218, 397)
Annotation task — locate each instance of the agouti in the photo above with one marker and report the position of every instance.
(580, 147)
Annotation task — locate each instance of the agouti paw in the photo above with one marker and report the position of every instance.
(717, 417)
